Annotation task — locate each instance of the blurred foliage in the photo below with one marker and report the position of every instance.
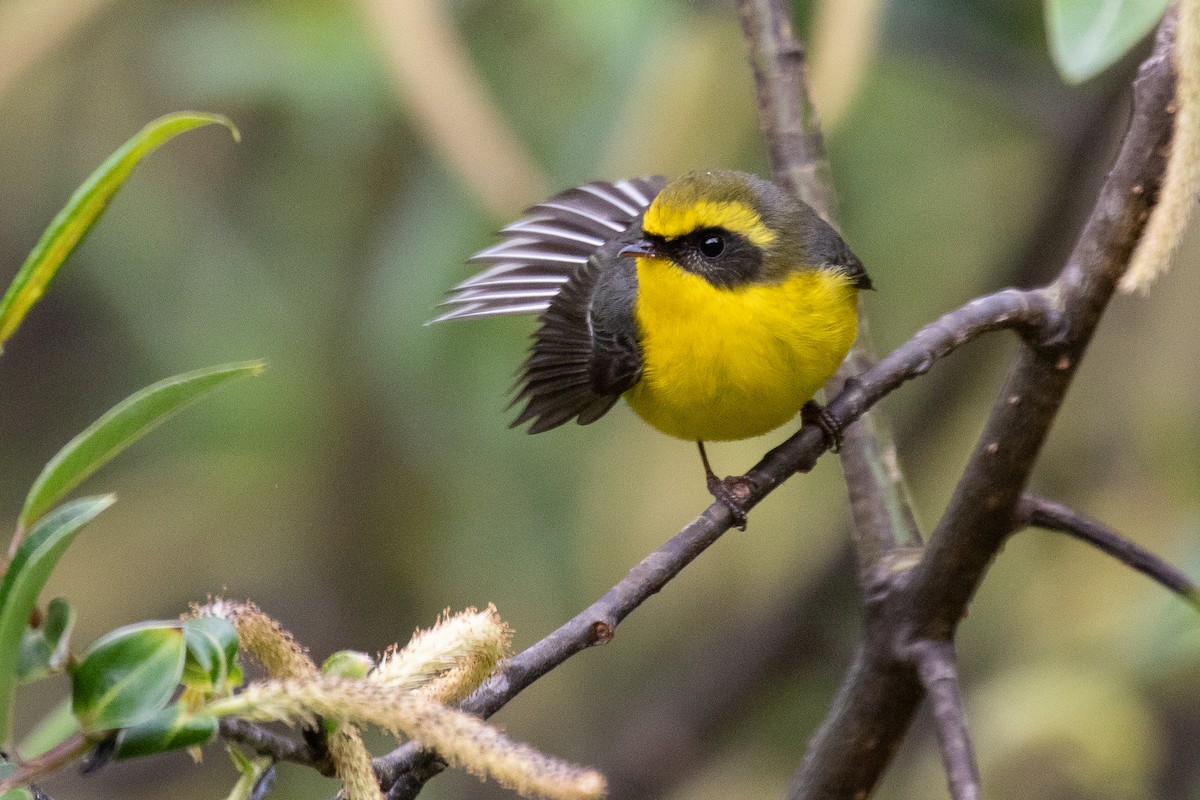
(1088, 36)
(369, 480)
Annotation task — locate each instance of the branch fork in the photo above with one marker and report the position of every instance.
(915, 594)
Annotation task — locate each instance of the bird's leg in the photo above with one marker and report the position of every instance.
(733, 491)
(813, 412)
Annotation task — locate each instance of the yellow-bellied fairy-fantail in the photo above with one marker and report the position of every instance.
(716, 304)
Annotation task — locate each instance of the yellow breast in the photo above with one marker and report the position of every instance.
(722, 364)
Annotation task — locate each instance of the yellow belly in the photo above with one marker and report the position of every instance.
(722, 364)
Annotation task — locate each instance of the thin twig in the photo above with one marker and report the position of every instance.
(1043, 513)
(594, 625)
(707, 686)
(785, 111)
(277, 746)
(1030, 313)
(47, 763)
(879, 501)
(673, 721)
(937, 669)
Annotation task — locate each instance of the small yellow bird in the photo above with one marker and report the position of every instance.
(716, 304)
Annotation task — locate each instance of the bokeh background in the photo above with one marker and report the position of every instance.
(368, 480)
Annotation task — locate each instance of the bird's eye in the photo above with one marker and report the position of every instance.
(712, 245)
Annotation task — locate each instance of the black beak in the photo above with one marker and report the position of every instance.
(642, 248)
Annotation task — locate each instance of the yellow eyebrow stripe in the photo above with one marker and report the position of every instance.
(671, 221)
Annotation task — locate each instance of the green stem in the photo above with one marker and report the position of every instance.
(48, 762)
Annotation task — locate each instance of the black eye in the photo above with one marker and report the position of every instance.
(712, 245)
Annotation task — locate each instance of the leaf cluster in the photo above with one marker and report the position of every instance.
(154, 686)
(123, 684)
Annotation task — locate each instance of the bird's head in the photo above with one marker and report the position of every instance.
(732, 228)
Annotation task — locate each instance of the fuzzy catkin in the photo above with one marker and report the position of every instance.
(1180, 182)
(352, 762)
(463, 740)
(283, 657)
(448, 661)
(262, 637)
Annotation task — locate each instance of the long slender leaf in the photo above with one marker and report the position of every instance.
(72, 224)
(26, 575)
(1089, 36)
(121, 426)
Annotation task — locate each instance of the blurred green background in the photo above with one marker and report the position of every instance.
(369, 481)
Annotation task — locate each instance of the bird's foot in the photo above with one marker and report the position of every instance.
(814, 412)
(733, 493)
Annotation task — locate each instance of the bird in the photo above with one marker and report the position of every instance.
(716, 304)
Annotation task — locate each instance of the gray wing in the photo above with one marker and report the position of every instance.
(540, 252)
(561, 261)
(586, 352)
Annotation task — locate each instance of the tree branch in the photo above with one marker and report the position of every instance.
(594, 625)
(879, 502)
(984, 504)
(268, 743)
(937, 669)
(1042, 513)
(882, 689)
(879, 695)
(785, 110)
(673, 722)
(1028, 312)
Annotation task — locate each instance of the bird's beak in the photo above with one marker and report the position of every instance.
(642, 248)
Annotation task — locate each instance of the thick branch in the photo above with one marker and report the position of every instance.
(930, 601)
(1043, 513)
(984, 504)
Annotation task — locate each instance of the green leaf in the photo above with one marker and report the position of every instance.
(348, 664)
(44, 649)
(257, 775)
(212, 648)
(121, 426)
(170, 729)
(128, 676)
(51, 731)
(72, 224)
(1089, 36)
(27, 574)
